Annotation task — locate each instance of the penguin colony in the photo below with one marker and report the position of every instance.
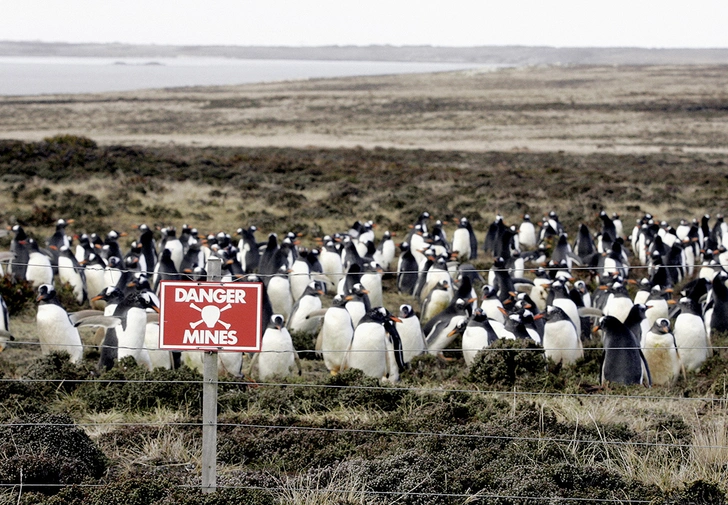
(652, 337)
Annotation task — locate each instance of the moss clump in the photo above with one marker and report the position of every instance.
(47, 449)
(131, 387)
(19, 295)
(506, 362)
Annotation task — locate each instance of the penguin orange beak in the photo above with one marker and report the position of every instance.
(671, 302)
(395, 319)
(156, 309)
(453, 333)
(97, 298)
(503, 311)
(471, 300)
(52, 247)
(70, 221)
(538, 316)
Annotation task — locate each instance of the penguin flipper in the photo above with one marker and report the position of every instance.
(317, 313)
(590, 312)
(75, 317)
(103, 321)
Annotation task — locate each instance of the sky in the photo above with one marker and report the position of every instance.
(559, 23)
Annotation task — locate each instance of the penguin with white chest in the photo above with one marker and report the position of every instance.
(661, 353)
(410, 332)
(690, 336)
(39, 269)
(277, 356)
(71, 271)
(336, 334)
(478, 335)
(309, 302)
(55, 330)
(376, 348)
(561, 342)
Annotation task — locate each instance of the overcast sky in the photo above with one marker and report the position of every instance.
(606, 23)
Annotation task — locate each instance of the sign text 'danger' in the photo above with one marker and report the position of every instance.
(211, 316)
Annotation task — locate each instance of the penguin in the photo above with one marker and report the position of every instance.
(657, 304)
(478, 335)
(192, 258)
(164, 270)
(371, 279)
(5, 335)
(70, 271)
(384, 254)
(618, 303)
(112, 273)
(279, 292)
(718, 321)
(39, 269)
(174, 245)
(357, 303)
(277, 356)
(563, 301)
(148, 258)
(299, 276)
(584, 245)
(94, 268)
(661, 354)
(370, 349)
(55, 330)
(527, 233)
(437, 301)
(410, 332)
(637, 323)
(265, 266)
(461, 240)
(21, 252)
(439, 330)
(337, 332)
(407, 270)
(58, 240)
(330, 260)
(623, 362)
(111, 244)
(491, 304)
(691, 337)
(127, 338)
(249, 250)
(561, 342)
(309, 302)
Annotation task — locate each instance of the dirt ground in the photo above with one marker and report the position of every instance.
(560, 108)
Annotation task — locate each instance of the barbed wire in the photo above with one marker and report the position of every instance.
(324, 490)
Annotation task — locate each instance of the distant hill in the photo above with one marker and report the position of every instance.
(515, 55)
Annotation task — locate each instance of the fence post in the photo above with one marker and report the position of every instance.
(209, 400)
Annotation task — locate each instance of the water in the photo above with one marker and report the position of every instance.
(48, 75)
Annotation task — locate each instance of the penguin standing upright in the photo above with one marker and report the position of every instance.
(623, 359)
(441, 330)
(410, 332)
(277, 356)
(310, 301)
(279, 292)
(718, 321)
(561, 342)
(336, 334)
(478, 335)
(357, 303)
(461, 240)
(384, 254)
(690, 336)
(370, 351)
(21, 253)
(148, 258)
(69, 270)
(527, 233)
(661, 353)
(55, 330)
(39, 269)
(437, 301)
(330, 260)
(58, 240)
(407, 270)
(174, 245)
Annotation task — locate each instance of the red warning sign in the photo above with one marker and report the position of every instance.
(211, 316)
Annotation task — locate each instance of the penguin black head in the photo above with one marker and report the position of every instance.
(662, 325)
(406, 311)
(46, 293)
(276, 321)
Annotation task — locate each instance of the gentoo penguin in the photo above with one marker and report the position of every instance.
(336, 334)
(174, 245)
(439, 330)
(690, 336)
(661, 353)
(58, 240)
(371, 279)
(5, 335)
(478, 335)
(330, 260)
(461, 240)
(562, 300)
(111, 244)
(21, 252)
(113, 273)
(277, 356)
(618, 303)
(310, 301)
(407, 270)
(279, 292)
(70, 271)
(95, 268)
(527, 233)
(127, 338)
(40, 270)
(584, 245)
(718, 321)
(624, 361)
(491, 304)
(357, 303)
(657, 304)
(374, 347)
(437, 301)
(248, 247)
(384, 254)
(299, 276)
(164, 270)
(55, 330)
(561, 342)
(637, 323)
(148, 258)
(410, 332)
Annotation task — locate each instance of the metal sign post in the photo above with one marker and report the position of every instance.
(211, 316)
(209, 400)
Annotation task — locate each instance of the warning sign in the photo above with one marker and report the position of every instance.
(211, 316)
